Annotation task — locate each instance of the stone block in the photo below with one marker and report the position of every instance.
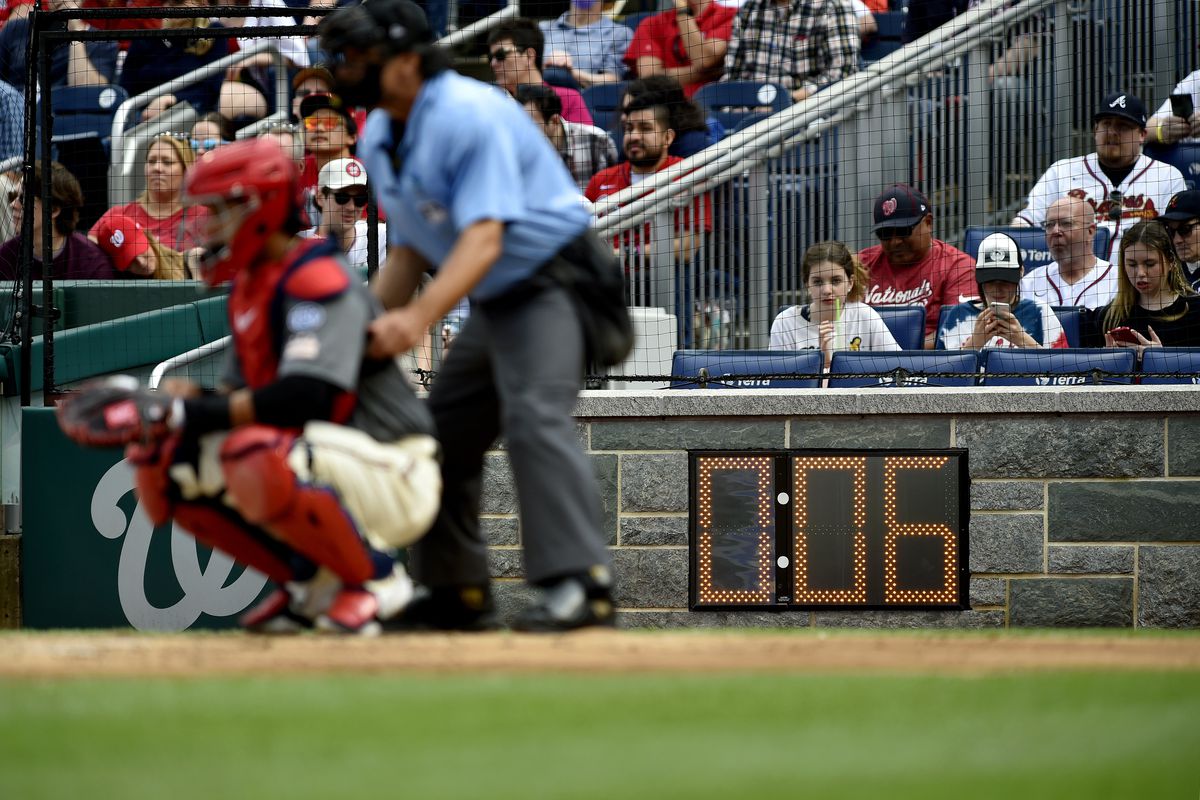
(654, 531)
(1071, 602)
(499, 494)
(855, 432)
(908, 619)
(688, 434)
(1083, 446)
(1124, 511)
(989, 592)
(1169, 587)
(605, 467)
(654, 578)
(1007, 496)
(1183, 446)
(1006, 543)
(654, 482)
(1088, 559)
(505, 562)
(714, 619)
(10, 580)
(500, 531)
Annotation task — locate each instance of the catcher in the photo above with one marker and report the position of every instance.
(312, 461)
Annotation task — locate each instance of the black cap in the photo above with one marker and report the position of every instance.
(401, 25)
(1123, 105)
(899, 206)
(1183, 206)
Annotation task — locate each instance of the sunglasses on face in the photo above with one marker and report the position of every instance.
(342, 198)
(895, 233)
(1183, 229)
(207, 144)
(321, 123)
(502, 53)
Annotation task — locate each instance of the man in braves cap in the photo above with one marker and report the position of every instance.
(1118, 180)
(1182, 218)
(909, 267)
(1001, 317)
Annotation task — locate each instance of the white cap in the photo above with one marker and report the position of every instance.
(999, 260)
(340, 173)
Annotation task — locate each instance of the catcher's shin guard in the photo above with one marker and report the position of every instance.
(311, 519)
(219, 527)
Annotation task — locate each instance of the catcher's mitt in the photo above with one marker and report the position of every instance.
(110, 412)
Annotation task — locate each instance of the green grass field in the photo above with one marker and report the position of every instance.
(1039, 735)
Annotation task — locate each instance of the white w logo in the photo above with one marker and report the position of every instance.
(204, 591)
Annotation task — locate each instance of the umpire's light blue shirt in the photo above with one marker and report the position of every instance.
(470, 153)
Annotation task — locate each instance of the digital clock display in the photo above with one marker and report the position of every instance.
(829, 529)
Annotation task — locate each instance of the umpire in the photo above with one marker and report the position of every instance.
(474, 191)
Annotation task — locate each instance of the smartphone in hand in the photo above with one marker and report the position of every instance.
(1124, 334)
(1003, 310)
(1181, 106)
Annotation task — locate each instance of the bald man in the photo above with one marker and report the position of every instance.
(1076, 277)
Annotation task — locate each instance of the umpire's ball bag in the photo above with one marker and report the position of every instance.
(593, 277)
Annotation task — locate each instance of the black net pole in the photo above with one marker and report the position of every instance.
(25, 301)
(44, 311)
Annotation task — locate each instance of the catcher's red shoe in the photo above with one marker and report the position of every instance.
(361, 609)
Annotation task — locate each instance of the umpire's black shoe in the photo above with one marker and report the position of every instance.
(577, 601)
(449, 608)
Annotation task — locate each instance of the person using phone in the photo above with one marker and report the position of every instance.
(1155, 306)
(1177, 118)
(1000, 317)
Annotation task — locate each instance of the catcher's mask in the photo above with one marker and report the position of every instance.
(250, 190)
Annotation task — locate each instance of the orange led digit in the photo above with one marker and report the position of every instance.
(804, 592)
(893, 591)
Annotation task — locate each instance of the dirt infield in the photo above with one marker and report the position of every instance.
(65, 655)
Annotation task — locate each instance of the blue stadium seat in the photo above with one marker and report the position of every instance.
(916, 363)
(602, 100)
(1032, 242)
(1171, 359)
(1070, 317)
(559, 76)
(1057, 362)
(731, 102)
(1184, 156)
(907, 324)
(888, 39)
(633, 20)
(718, 363)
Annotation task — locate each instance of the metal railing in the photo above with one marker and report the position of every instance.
(972, 114)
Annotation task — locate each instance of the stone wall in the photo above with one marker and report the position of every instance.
(1085, 502)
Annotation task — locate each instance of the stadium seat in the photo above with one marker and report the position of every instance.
(602, 100)
(1171, 359)
(1184, 156)
(1056, 363)
(1032, 242)
(632, 21)
(703, 369)
(1070, 317)
(732, 101)
(559, 76)
(887, 40)
(907, 324)
(917, 364)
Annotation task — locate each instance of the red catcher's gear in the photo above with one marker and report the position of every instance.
(254, 175)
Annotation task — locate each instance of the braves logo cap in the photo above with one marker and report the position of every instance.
(1183, 206)
(1123, 105)
(899, 206)
(999, 260)
(340, 173)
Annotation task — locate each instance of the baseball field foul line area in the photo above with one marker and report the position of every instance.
(71, 654)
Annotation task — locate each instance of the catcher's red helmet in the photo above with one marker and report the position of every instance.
(252, 185)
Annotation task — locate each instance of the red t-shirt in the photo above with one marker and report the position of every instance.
(181, 231)
(658, 36)
(123, 23)
(618, 177)
(945, 277)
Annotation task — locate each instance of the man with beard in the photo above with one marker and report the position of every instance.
(1119, 182)
(475, 192)
(647, 136)
(1182, 218)
(1076, 277)
(911, 268)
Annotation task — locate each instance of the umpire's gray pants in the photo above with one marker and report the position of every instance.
(515, 367)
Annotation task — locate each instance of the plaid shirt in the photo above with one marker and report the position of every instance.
(807, 44)
(589, 150)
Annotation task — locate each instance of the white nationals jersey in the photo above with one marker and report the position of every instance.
(1144, 192)
(1095, 289)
